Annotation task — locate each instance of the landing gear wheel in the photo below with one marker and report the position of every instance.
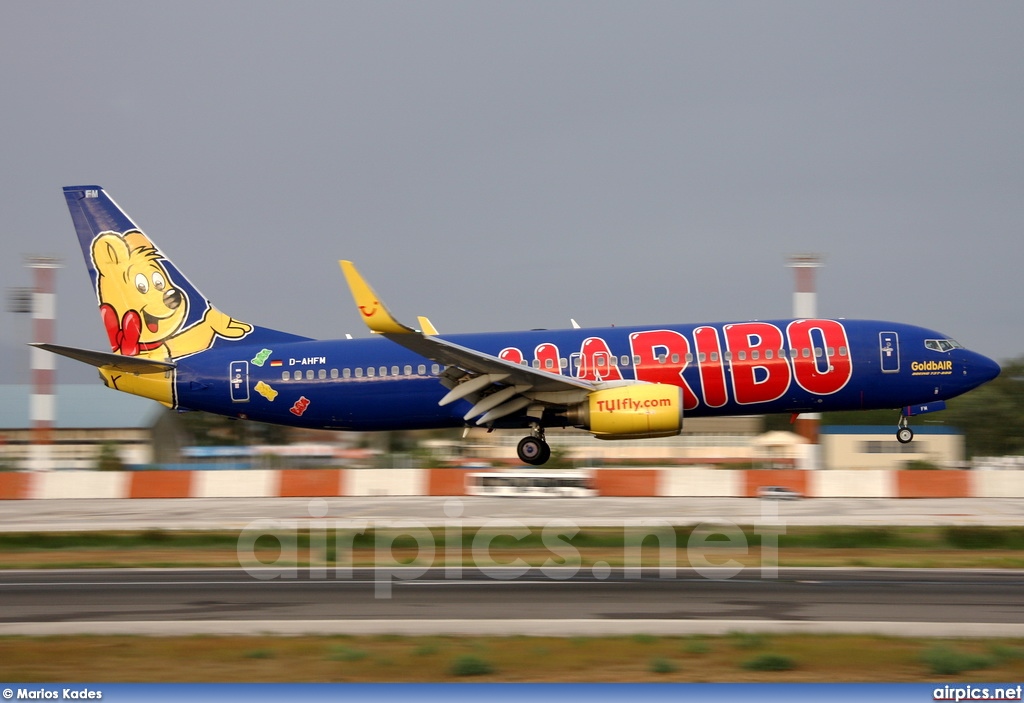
(904, 435)
(533, 451)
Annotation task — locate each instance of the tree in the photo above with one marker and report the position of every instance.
(207, 429)
(109, 459)
(991, 417)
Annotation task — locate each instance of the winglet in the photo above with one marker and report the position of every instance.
(374, 313)
(426, 326)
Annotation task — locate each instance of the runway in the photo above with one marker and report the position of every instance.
(558, 602)
(239, 513)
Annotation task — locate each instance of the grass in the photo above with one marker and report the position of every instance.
(663, 666)
(697, 645)
(769, 662)
(919, 547)
(470, 665)
(947, 661)
(785, 658)
(748, 640)
(346, 654)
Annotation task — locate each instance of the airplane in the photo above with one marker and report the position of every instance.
(169, 343)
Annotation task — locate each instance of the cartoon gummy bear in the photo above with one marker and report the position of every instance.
(144, 311)
(266, 390)
(262, 357)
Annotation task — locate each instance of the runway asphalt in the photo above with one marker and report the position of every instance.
(559, 602)
(590, 602)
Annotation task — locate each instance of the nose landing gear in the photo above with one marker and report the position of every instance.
(904, 435)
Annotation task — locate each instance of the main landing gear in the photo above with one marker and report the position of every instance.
(534, 450)
(904, 434)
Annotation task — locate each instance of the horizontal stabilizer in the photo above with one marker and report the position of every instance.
(128, 364)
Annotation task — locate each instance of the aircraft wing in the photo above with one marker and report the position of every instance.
(516, 386)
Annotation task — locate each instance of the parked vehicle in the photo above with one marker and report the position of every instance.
(778, 492)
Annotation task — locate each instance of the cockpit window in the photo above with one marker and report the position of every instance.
(942, 345)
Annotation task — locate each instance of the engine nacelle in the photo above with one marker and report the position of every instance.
(636, 411)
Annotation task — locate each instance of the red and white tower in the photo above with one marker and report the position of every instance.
(805, 306)
(42, 401)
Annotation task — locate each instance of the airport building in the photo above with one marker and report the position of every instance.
(88, 419)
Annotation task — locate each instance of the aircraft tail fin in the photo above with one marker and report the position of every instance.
(148, 307)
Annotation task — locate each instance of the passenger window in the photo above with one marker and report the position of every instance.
(346, 373)
(359, 372)
(321, 374)
(549, 364)
(383, 371)
(408, 370)
(661, 358)
(422, 369)
(675, 358)
(334, 373)
(370, 372)
(563, 363)
(394, 370)
(636, 359)
(805, 353)
(714, 356)
(842, 351)
(624, 361)
(689, 358)
(702, 357)
(817, 352)
(755, 355)
(742, 355)
(285, 375)
(768, 354)
(435, 369)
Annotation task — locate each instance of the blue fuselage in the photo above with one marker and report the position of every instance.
(778, 366)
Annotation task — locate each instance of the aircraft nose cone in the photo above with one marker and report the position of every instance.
(984, 368)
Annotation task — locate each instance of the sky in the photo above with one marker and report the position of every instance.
(512, 165)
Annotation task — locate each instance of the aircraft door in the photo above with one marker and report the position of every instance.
(238, 377)
(889, 349)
